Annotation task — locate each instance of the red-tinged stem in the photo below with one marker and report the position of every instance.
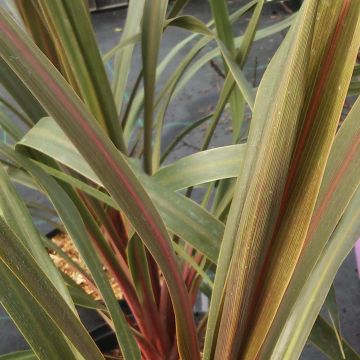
(145, 320)
(159, 334)
(191, 272)
(107, 227)
(119, 270)
(194, 289)
(93, 208)
(174, 354)
(147, 349)
(166, 312)
(123, 279)
(185, 266)
(121, 238)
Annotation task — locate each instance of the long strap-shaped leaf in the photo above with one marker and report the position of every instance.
(202, 167)
(72, 31)
(63, 104)
(152, 28)
(122, 60)
(269, 113)
(177, 7)
(229, 83)
(204, 59)
(303, 315)
(38, 329)
(12, 208)
(225, 33)
(323, 337)
(9, 127)
(21, 94)
(341, 179)
(19, 355)
(321, 112)
(193, 24)
(20, 262)
(74, 224)
(35, 26)
(262, 203)
(182, 79)
(182, 216)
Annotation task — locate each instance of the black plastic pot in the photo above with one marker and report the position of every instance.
(11, 339)
(105, 338)
(102, 334)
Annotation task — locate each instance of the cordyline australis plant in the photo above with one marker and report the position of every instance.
(280, 213)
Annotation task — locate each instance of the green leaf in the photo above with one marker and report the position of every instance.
(138, 101)
(181, 215)
(81, 298)
(181, 134)
(74, 225)
(21, 177)
(36, 26)
(72, 31)
(354, 88)
(202, 167)
(312, 296)
(222, 24)
(332, 308)
(19, 355)
(340, 181)
(192, 69)
(123, 58)
(187, 219)
(204, 59)
(63, 105)
(12, 208)
(131, 40)
(152, 28)
(188, 258)
(10, 127)
(241, 57)
(16, 258)
(16, 111)
(323, 337)
(177, 7)
(224, 32)
(193, 24)
(298, 158)
(24, 98)
(139, 268)
(37, 327)
(270, 85)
